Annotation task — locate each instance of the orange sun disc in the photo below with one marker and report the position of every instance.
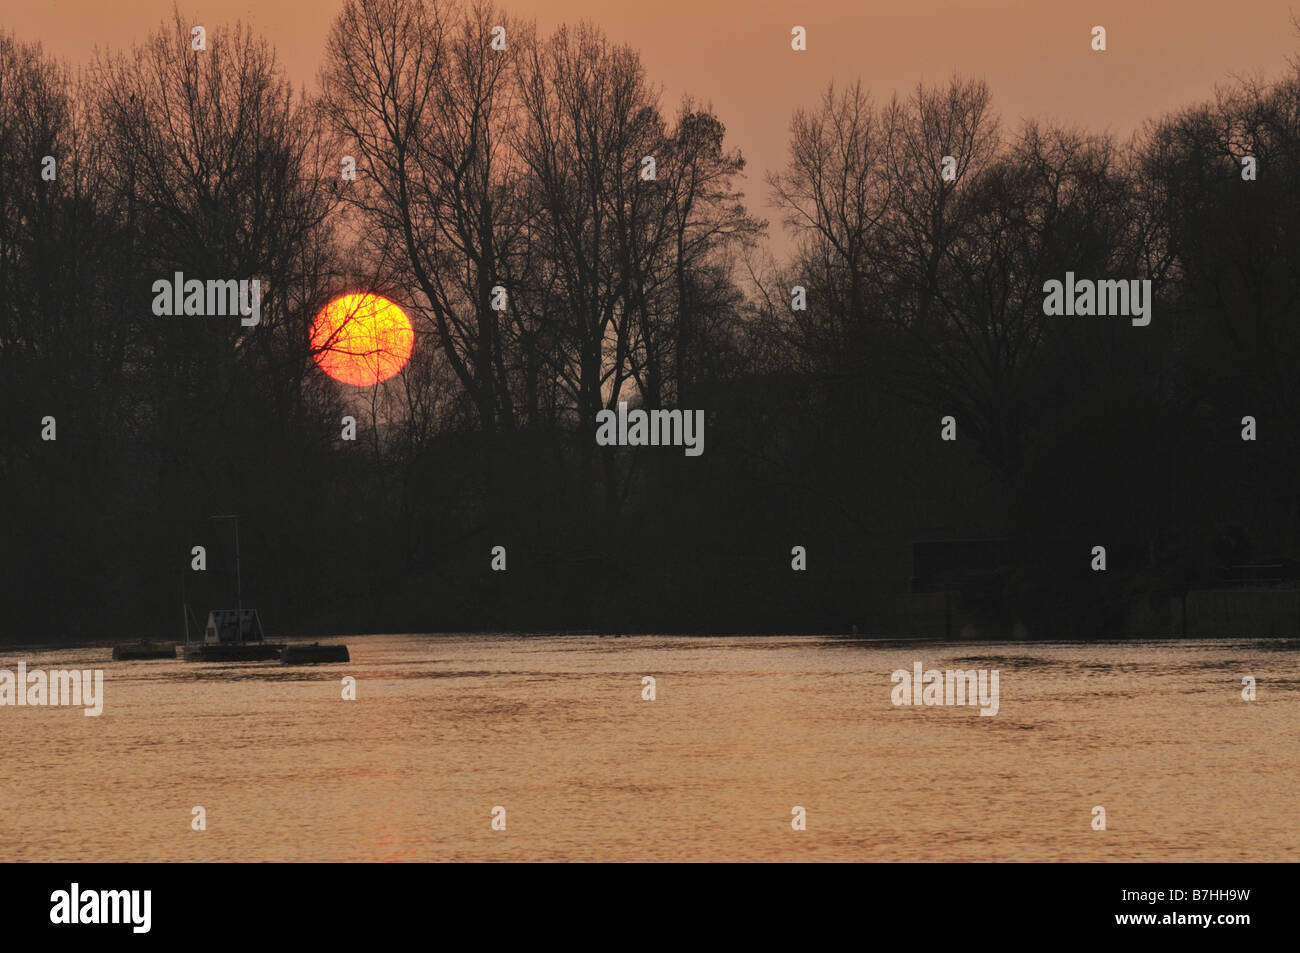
(361, 339)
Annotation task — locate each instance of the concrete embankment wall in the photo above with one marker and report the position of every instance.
(943, 615)
(1202, 613)
(1239, 612)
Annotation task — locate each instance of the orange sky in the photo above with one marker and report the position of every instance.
(736, 53)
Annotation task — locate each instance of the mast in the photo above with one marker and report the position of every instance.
(185, 609)
(239, 583)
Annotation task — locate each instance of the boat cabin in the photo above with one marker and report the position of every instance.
(231, 625)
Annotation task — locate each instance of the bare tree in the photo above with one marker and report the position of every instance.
(425, 101)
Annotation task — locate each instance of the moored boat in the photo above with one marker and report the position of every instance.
(233, 635)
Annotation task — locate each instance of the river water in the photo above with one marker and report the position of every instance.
(742, 730)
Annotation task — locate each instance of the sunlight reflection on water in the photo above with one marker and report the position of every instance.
(554, 729)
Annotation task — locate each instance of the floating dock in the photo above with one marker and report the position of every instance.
(144, 649)
(233, 651)
(314, 653)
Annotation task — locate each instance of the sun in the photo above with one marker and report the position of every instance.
(361, 339)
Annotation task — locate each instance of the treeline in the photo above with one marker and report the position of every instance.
(489, 157)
